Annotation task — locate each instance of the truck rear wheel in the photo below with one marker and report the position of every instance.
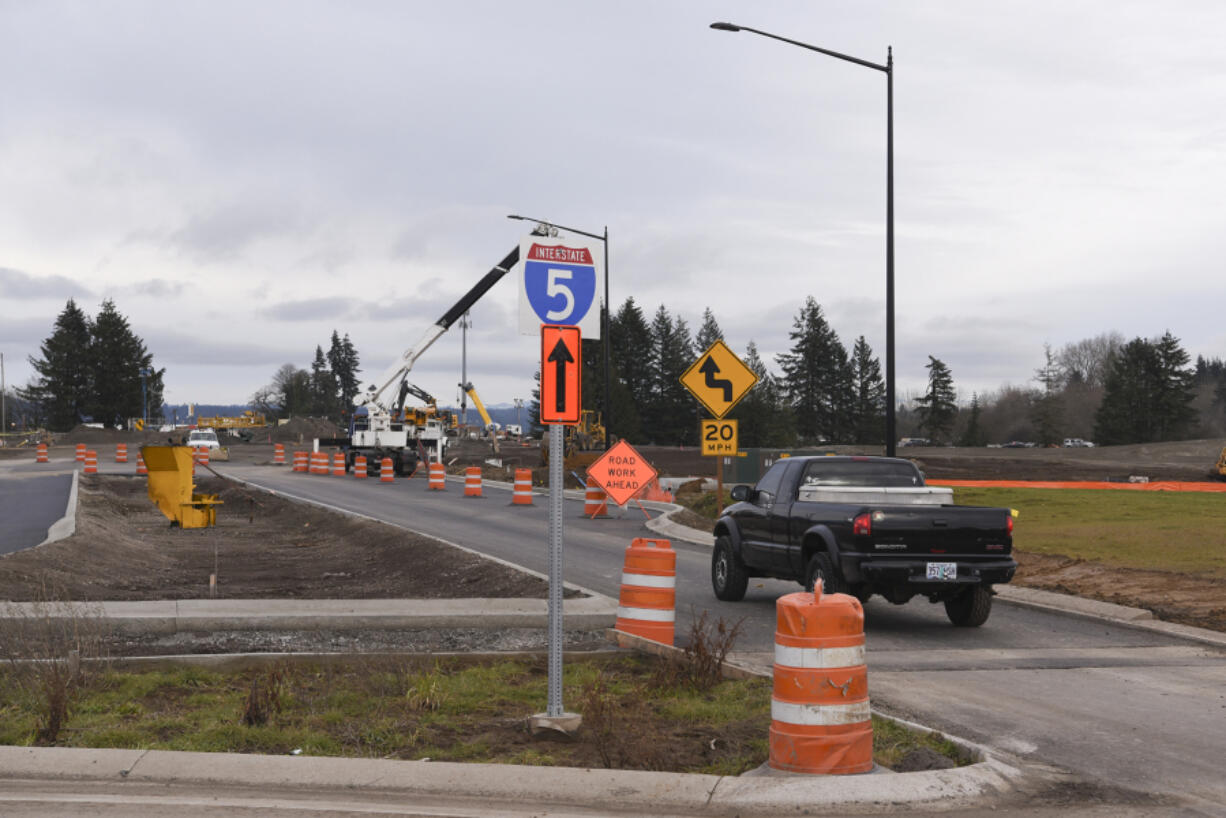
(971, 608)
(729, 578)
(820, 567)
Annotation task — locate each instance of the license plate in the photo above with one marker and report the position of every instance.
(942, 570)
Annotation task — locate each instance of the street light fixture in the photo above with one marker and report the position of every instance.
(888, 70)
(604, 314)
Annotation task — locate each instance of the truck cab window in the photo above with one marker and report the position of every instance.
(768, 487)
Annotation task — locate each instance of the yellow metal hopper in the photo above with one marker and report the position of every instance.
(170, 487)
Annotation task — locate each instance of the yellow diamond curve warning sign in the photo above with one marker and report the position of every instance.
(719, 379)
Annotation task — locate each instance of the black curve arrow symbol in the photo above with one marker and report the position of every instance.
(560, 357)
(711, 369)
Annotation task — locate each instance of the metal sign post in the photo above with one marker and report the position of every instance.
(556, 456)
(561, 372)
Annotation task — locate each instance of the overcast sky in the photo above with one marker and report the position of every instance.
(242, 178)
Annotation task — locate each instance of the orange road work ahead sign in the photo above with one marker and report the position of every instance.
(561, 365)
(622, 472)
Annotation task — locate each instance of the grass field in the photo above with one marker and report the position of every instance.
(1183, 532)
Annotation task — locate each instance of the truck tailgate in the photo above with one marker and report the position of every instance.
(953, 530)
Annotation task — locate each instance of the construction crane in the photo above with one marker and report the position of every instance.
(378, 428)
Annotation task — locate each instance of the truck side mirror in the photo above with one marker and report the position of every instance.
(740, 493)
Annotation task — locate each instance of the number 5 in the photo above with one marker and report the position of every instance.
(553, 288)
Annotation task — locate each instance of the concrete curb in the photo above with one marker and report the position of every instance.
(65, 526)
(623, 791)
(196, 615)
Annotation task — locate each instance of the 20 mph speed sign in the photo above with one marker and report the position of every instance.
(561, 284)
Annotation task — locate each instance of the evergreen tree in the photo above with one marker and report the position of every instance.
(116, 357)
(671, 415)
(938, 407)
(632, 352)
(974, 434)
(1126, 414)
(1047, 411)
(1176, 418)
(868, 390)
(64, 385)
(323, 386)
(343, 360)
(763, 416)
(817, 378)
(708, 333)
(1149, 394)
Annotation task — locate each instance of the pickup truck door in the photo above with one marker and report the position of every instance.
(764, 546)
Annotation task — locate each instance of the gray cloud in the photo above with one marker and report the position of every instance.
(310, 309)
(21, 286)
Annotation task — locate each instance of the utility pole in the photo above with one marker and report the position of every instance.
(4, 423)
(465, 323)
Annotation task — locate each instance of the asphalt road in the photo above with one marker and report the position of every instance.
(1120, 706)
(30, 503)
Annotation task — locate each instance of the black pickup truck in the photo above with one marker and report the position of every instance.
(864, 526)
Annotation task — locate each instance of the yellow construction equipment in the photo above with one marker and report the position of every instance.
(583, 443)
(1221, 463)
(247, 420)
(170, 487)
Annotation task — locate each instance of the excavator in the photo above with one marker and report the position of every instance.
(492, 430)
(582, 444)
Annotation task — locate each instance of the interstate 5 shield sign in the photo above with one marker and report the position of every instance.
(562, 283)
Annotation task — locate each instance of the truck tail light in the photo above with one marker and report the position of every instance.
(1009, 525)
(862, 526)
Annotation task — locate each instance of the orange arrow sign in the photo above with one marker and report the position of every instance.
(561, 367)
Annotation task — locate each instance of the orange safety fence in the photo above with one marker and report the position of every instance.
(1156, 485)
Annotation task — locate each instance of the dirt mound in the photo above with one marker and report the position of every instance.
(299, 431)
(263, 546)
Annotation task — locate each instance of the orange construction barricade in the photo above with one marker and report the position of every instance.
(278, 454)
(521, 495)
(141, 468)
(438, 477)
(202, 455)
(595, 501)
(121, 452)
(359, 467)
(302, 461)
(41, 457)
(338, 464)
(819, 711)
(80, 452)
(319, 462)
(91, 462)
(472, 481)
(386, 473)
(647, 603)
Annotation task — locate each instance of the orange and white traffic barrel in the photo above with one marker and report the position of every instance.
(595, 501)
(121, 452)
(278, 454)
(141, 468)
(301, 461)
(438, 477)
(359, 467)
(472, 481)
(386, 473)
(820, 718)
(41, 457)
(338, 464)
(91, 462)
(319, 462)
(202, 455)
(647, 602)
(80, 452)
(521, 494)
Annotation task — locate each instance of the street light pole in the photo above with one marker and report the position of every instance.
(888, 69)
(604, 317)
